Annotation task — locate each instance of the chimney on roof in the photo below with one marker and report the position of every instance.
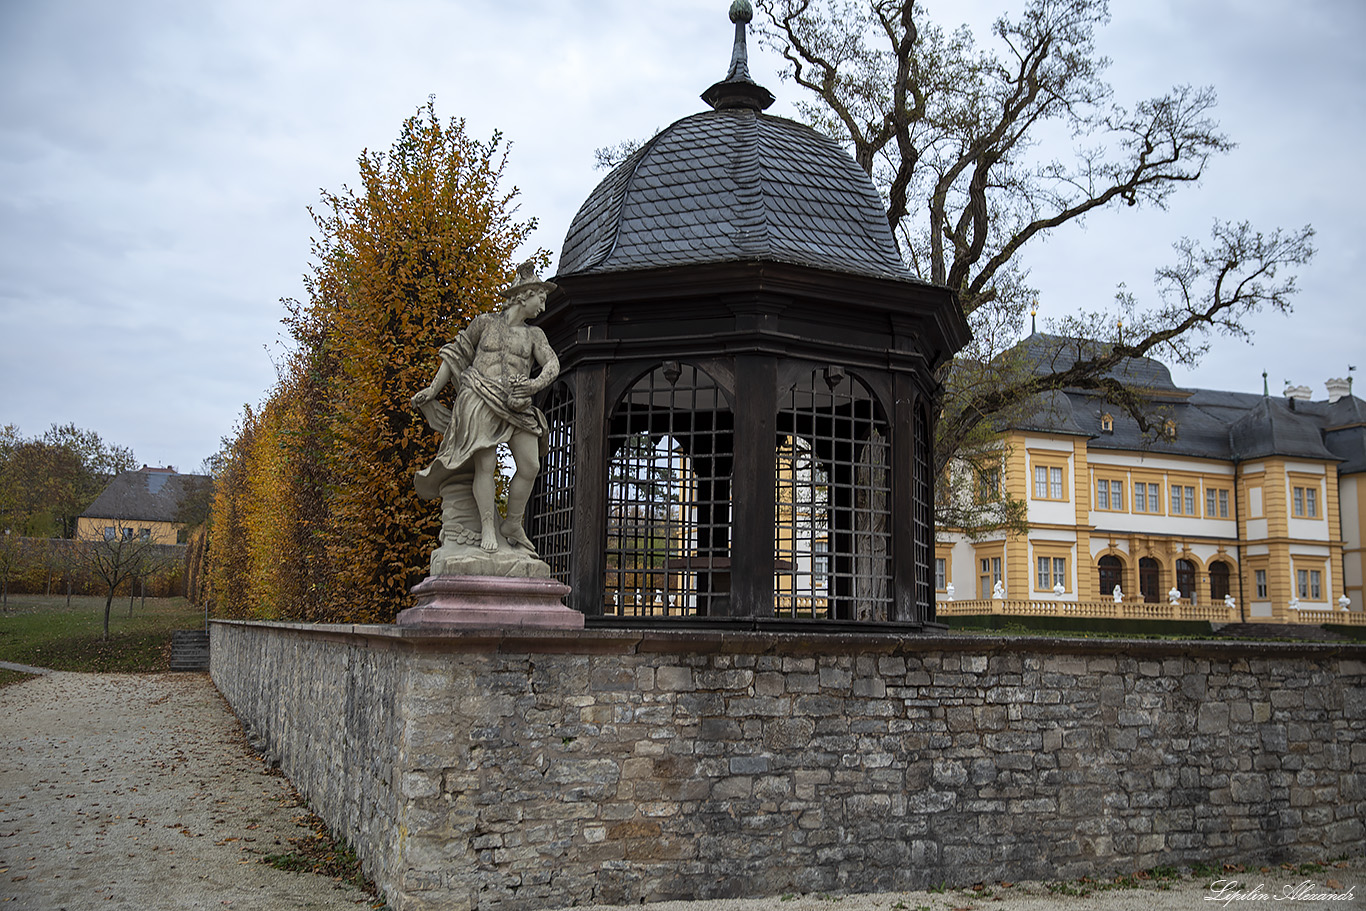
(1338, 388)
(1299, 392)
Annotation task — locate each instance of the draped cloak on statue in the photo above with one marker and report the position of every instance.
(481, 417)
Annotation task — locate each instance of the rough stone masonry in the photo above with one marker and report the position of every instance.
(524, 771)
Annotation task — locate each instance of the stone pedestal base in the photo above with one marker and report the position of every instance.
(490, 601)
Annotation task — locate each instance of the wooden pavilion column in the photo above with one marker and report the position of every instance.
(903, 500)
(588, 566)
(752, 486)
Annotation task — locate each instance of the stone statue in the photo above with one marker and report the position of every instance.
(950, 591)
(1059, 590)
(1174, 595)
(1345, 602)
(1229, 602)
(998, 592)
(1117, 593)
(491, 365)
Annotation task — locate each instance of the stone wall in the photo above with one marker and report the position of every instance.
(526, 771)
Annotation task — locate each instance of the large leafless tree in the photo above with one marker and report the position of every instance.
(982, 151)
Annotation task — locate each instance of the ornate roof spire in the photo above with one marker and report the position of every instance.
(738, 90)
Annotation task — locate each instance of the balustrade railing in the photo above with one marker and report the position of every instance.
(1138, 610)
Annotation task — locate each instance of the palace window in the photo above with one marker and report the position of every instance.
(1310, 584)
(1261, 583)
(1110, 495)
(1185, 579)
(1216, 503)
(940, 574)
(1048, 483)
(1306, 500)
(988, 577)
(1149, 580)
(1050, 571)
(1218, 580)
(1111, 571)
(988, 485)
(820, 563)
(1147, 497)
(1183, 500)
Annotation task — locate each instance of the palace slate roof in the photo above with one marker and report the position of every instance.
(148, 495)
(1208, 423)
(731, 185)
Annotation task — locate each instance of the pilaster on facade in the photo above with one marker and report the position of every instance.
(1081, 491)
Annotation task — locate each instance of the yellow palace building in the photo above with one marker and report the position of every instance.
(1243, 507)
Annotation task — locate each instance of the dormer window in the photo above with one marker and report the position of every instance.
(1107, 423)
(1168, 432)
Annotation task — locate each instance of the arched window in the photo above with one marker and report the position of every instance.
(668, 497)
(1111, 574)
(832, 499)
(1218, 580)
(1150, 580)
(1185, 579)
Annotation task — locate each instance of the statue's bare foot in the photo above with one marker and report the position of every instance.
(513, 531)
(489, 539)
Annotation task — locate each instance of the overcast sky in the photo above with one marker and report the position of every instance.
(157, 159)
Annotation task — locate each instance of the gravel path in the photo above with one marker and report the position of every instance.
(140, 792)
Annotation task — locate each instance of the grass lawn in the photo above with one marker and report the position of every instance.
(41, 631)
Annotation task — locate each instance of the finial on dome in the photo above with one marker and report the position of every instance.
(738, 90)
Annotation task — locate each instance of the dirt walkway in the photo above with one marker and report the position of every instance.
(140, 792)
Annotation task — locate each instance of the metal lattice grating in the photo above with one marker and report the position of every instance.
(668, 504)
(924, 516)
(552, 507)
(832, 502)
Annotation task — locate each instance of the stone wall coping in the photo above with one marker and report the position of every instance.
(750, 642)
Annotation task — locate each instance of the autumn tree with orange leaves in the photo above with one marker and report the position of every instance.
(316, 517)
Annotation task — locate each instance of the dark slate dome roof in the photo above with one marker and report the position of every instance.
(730, 185)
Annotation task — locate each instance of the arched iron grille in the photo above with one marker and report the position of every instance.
(924, 516)
(670, 442)
(832, 502)
(552, 505)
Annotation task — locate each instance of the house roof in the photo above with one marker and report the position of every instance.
(1272, 428)
(148, 494)
(1054, 353)
(1207, 423)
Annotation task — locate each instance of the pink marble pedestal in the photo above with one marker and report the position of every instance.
(490, 601)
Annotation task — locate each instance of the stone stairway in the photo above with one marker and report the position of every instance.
(190, 650)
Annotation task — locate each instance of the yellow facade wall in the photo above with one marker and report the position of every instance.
(159, 532)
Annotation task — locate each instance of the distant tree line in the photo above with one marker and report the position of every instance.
(314, 514)
(47, 481)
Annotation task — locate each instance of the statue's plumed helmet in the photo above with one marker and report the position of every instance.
(527, 280)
